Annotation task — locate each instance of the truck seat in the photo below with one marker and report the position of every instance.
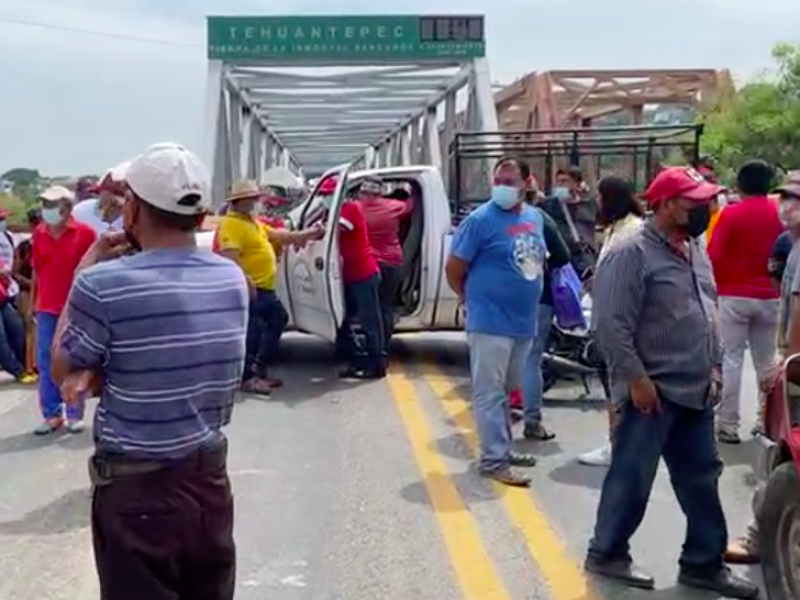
(411, 241)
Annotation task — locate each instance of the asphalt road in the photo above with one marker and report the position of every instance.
(364, 492)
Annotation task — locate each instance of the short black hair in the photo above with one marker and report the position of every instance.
(511, 160)
(755, 178)
(573, 173)
(34, 216)
(617, 200)
(704, 160)
(171, 221)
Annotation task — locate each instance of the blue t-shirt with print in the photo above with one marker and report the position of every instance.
(505, 251)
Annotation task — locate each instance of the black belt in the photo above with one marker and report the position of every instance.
(104, 468)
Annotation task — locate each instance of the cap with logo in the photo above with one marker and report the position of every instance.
(57, 193)
(169, 177)
(680, 182)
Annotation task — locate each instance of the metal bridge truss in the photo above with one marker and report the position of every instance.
(313, 117)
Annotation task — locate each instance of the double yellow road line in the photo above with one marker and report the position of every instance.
(476, 573)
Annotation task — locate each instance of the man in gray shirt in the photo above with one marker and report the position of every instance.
(654, 296)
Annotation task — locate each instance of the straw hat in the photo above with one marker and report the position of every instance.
(246, 189)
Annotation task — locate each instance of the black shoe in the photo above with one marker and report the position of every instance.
(358, 373)
(623, 571)
(723, 582)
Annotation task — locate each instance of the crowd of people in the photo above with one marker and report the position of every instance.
(116, 289)
(679, 292)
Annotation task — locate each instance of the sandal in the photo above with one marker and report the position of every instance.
(537, 431)
(256, 386)
(508, 476)
(519, 459)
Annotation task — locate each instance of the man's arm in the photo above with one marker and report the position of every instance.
(463, 250)
(618, 297)
(286, 237)
(83, 342)
(556, 246)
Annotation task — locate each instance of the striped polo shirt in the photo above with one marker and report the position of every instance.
(167, 330)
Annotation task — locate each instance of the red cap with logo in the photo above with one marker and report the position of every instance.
(681, 182)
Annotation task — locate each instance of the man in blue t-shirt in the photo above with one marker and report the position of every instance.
(496, 266)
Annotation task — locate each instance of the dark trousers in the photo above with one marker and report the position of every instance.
(363, 306)
(685, 439)
(166, 535)
(391, 280)
(12, 340)
(265, 326)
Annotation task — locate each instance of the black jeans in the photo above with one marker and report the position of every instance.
(167, 534)
(12, 340)
(265, 327)
(684, 437)
(363, 306)
(391, 280)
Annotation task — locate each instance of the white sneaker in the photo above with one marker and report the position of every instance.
(76, 426)
(601, 457)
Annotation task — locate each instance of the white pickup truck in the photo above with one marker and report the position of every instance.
(310, 279)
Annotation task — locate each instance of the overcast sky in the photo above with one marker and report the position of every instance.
(72, 103)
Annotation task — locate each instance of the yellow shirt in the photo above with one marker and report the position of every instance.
(712, 222)
(250, 238)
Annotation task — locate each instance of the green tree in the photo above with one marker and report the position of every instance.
(761, 120)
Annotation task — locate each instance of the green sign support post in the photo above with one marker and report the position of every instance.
(345, 38)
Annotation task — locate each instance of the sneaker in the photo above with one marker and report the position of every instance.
(727, 436)
(601, 457)
(508, 476)
(49, 426)
(28, 378)
(76, 426)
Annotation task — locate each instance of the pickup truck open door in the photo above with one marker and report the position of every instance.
(314, 273)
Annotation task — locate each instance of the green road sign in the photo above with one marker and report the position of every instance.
(342, 39)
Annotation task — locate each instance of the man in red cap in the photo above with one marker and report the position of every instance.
(654, 295)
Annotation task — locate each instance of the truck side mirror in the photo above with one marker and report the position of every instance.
(791, 388)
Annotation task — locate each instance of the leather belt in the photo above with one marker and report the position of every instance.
(104, 468)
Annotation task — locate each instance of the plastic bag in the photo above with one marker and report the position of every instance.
(567, 292)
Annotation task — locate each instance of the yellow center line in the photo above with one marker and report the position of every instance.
(565, 577)
(474, 570)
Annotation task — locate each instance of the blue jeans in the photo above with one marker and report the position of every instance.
(50, 400)
(684, 437)
(266, 323)
(12, 340)
(532, 382)
(496, 366)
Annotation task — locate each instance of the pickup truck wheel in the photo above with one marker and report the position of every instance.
(779, 534)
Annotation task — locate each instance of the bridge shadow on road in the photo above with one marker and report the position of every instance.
(67, 513)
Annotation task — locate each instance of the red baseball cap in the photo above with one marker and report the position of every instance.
(681, 182)
(3, 213)
(329, 185)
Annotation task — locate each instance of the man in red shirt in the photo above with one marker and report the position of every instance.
(748, 304)
(58, 244)
(361, 287)
(384, 216)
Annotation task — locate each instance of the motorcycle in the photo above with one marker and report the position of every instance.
(572, 353)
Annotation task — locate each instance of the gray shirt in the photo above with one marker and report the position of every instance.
(790, 287)
(655, 316)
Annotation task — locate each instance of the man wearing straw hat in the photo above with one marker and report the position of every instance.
(250, 243)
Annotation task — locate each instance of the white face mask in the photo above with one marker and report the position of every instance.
(51, 216)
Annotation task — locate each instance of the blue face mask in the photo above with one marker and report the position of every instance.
(51, 216)
(561, 193)
(505, 196)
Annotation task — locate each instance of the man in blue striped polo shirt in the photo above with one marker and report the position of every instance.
(163, 332)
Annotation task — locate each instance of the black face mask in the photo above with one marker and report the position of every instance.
(699, 218)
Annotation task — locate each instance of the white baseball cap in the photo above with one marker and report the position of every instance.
(57, 192)
(171, 178)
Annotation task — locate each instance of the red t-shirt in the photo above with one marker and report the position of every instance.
(740, 248)
(358, 262)
(384, 216)
(54, 262)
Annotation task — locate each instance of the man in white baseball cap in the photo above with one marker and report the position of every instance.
(104, 213)
(160, 334)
